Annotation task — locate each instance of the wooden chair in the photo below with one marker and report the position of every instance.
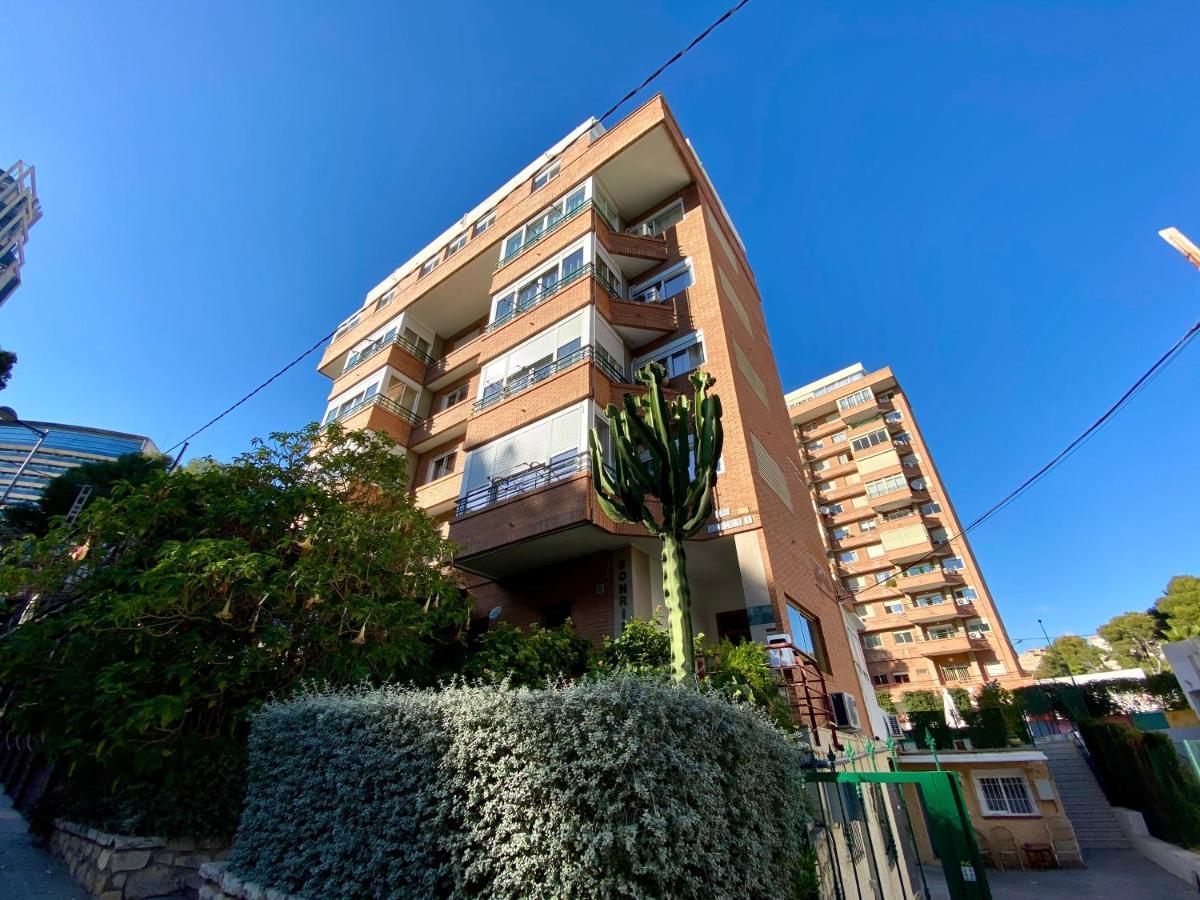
(1006, 845)
(1063, 842)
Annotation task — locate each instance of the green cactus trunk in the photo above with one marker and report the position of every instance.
(678, 598)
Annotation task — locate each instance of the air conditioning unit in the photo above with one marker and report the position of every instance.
(845, 711)
(893, 726)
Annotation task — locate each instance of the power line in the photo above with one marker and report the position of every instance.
(674, 59)
(653, 75)
(1087, 434)
(217, 418)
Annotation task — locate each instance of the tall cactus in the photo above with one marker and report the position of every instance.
(654, 446)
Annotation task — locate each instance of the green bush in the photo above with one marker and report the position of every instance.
(615, 787)
(886, 703)
(643, 647)
(1142, 771)
(530, 658)
(961, 697)
(741, 672)
(921, 701)
(925, 723)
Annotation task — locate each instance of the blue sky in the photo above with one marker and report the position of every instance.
(968, 195)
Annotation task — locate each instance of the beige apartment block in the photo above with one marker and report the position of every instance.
(891, 538)
(490, 353)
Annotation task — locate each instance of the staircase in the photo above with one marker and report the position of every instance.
(1096, 826)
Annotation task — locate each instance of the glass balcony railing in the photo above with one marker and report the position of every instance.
(522, 482)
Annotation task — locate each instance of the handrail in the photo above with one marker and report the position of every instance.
(400, 341)
(587, 269)
(381, 400)
(532, 477)
(549, 229)
(541, 373)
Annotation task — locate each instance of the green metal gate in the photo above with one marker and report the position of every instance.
(848, 804)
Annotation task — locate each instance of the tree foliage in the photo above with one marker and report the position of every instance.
(1134, 638)
(1069, 655)
(8, 359)
(195, 596)
(61, 492)
(643, 647)
(920, 701)
(740, 671)
(1180, 605)
(532, 658)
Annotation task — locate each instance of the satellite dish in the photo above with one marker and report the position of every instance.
(494, 613)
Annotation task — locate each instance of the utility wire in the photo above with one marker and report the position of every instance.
(674, 59)
(217, 418)
(1087, 434)
(653, 75)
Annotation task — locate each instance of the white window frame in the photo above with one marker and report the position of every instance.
(998, 776)
(866, 526)
(642, 228)
(876, 637)
(561, 204)
(514, 287)
(483, 224)
(456, 396)
(668, 350)
(899, 643)
(659, 295)
(430, 264)
(848, 556)
(457, 244)
(858, 398)
(887, 604)
(585, 340)
(431, 472)
(546, 175)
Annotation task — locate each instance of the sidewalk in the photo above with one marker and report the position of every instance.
(1125, 874)
(27, 872)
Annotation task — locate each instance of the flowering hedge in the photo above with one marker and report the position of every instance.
(619, 787)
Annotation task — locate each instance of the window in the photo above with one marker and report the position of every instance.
(827, 485)
(665, 286)
(456, 396)
(858, 398)
(953, 564)
(867, 525)
(839, 533)
(541, 287)
(978, 627)
(929, 600)
(865, 610)
(814, 446)
(870, 440)
(939, 535)
(1005, 795)
(484, 224)
(679, 357)
(858, 502)
(875, 551)
(886, 485)
(543, 222)
(820, 466)
(956, 673)
(917, 484)
(607, 277)
(931, 508)
(892, 607)
(963, 596)
(831, 509)
(443, 465)
(532, 361)
(838, 438)
(848, 555)
(806, 635)
(992, 669)
(430, 264)
(385, 299)
(940, 633)
(457, 244)
(544, 177)
(901, 677)
(346, 326)
(879, 680)
(872, 641)
(894, 416)
(902, 637)
(660, 221)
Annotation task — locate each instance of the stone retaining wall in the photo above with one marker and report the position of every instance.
(119, 867)
(218, 883)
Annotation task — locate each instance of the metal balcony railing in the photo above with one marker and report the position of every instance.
(379, 400)
(381, 345)
(531, 478)
(528, 379)
(549, 229)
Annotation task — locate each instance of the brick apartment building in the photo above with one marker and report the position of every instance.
(490, 354)
(890, 533)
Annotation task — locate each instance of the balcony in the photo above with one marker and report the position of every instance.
(518, 384)
(867, 410)
(648, 248)
(383, 414)
(824, 451)
(959, 642)
(910, 552)
(852, 541)
(439, 427)
(865, 426)
(399, 353)
(840, 493)
(553, 227)
(937, 612)
(896, 498)
(928, 578)
(820, 430)
(453, 364)
(440, 496)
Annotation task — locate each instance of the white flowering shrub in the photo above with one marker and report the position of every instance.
(614, 788)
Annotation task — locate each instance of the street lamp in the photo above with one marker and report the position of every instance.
(9, 416)
(1180, 242)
